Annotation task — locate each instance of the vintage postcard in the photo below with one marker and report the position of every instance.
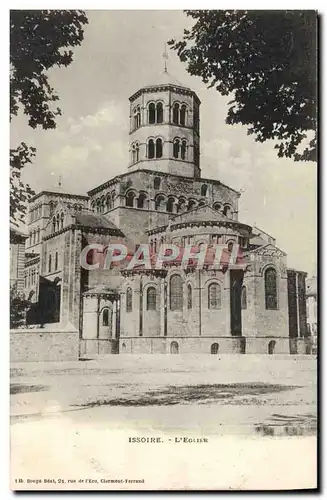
(163, 254)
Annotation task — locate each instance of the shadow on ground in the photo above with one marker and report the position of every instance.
(200, 394)
(20, 388)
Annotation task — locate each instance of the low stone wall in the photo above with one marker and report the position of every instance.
(43, 345)
(203, 345)
(46, 345)
(89, 348)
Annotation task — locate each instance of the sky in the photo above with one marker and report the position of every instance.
(121, 52)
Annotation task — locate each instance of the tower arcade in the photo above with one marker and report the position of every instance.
(164, 129)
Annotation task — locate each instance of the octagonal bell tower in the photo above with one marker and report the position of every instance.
(165, 128)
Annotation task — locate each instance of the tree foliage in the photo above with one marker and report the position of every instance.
(266, 60)
(18, 308)
(39, 40)
(19, 192)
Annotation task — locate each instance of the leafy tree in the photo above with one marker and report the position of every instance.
(18, 308)
(39, 40)
(267, 61)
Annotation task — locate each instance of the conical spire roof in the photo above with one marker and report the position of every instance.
(165, 78)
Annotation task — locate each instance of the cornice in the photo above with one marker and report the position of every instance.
(61, 195)
(164, 88)
(147, 272)
(88, 229)
(156, 173)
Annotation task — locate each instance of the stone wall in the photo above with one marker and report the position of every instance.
(204, 345)
(43, 345)
(134, 222)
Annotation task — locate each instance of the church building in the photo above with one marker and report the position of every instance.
(254, 307)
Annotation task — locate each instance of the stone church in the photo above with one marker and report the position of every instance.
(258, 307)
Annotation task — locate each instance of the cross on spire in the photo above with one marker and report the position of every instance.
(59, 179)
(165, 57)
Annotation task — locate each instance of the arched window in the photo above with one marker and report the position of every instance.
(158, 202)
(152, 113)
(133, 153)
(62, 220)
(214, 296)
(158, 148)
(51, 207)
(170, 205)
(204, 190)
(49, 264)
(137, 151)
(181, 205)
(214, 348)
(38, 235)
(138, 117)
(34, 237)
(176, 293)
(58, 222)
(191, 205)
(176, 113)
(103, 201)
(156, 183)
(141, 200)
(189, 297)
(271, 288)
(230, 245)
(130, 199)
(134, 120)
(151, 149)
(56, 261)
(183, 115)
(227, 211)
(108, 202)
(151, 299)
(174, 348)
(271, 347)
(105, 317)
(183, 150)
(176, 147)
(217, 206)
(90, 257)
(159, 112)
(129, 300)
(244, 301)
